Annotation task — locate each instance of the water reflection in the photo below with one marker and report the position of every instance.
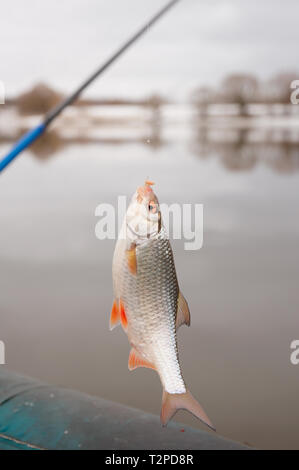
(239, 144)
(53, 141)
(243, 149)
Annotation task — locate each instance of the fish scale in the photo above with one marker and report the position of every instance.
(150, 301)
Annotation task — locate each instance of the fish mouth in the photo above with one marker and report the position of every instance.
(145, 190)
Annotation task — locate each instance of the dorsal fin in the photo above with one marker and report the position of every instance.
(183, 312)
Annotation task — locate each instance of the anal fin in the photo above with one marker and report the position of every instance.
(135, 360)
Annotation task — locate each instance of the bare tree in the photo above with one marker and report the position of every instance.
(202, 98)
(38, 100)
(279, 86)
(240, 89)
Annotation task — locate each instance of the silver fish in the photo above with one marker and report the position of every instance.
(148, 302)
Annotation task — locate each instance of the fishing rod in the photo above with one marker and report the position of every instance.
(37, 131)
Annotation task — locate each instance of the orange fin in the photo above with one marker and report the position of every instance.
(132, 260)
(135, 360)
(114, 317)
(171, 403)
(183, 312)
(123, 316)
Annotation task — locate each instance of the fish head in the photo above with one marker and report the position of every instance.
(143, 216)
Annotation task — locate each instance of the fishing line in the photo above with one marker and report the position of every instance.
(37, 131)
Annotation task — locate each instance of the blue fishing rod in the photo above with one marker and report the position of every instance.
(37, 131)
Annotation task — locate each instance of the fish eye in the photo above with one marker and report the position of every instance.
(152, 207)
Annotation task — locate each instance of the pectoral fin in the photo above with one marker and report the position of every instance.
(135, 360)
(183, 313)
(131, 259)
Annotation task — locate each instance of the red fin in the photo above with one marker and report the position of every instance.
(123, 316)
(171, 403)
(135, 360)
(114, 317)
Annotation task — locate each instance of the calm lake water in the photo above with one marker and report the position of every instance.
(242, 286)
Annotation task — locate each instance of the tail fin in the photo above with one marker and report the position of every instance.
(171, 403)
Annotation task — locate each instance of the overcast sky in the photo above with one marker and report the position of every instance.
(198, 42)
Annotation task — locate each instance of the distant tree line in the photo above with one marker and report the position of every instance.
(239, 89)
(243, 89)
(41, 98)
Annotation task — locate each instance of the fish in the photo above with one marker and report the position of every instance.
(148, 303)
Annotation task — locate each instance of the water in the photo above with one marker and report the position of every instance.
(242, 286)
